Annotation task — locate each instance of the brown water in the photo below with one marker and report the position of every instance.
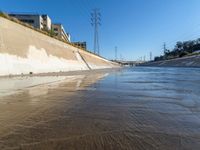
(136, 109)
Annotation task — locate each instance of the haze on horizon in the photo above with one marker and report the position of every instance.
(136, 27)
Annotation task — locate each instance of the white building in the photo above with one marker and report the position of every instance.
(35, 20)
(46, 22)
(59, 31)
(43, 22)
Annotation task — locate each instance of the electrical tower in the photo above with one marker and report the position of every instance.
(164, 48)
(96, 22)
(150, 56)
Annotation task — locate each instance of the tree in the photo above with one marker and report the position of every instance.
(179, 45)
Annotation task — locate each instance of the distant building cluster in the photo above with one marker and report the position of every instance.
(82, 45)
(59, 32)
(43, 22)
(37, 21)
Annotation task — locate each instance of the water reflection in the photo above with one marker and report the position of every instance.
(24, 98)
(137, 108)
(12, 85)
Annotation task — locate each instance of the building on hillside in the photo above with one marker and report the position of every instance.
(83, 45)
(42, 22)
(59, 31)
(46, 22)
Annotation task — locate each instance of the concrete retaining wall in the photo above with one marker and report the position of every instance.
(23, 50)
(190, 61)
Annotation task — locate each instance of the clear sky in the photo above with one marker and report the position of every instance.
(136, 27)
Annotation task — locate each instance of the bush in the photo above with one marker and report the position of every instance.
(182, 54)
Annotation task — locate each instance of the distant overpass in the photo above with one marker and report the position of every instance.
(128, 63)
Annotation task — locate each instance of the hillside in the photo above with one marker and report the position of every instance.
(26, 51)
(189, 61)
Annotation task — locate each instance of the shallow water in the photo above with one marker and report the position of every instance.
(135, 108)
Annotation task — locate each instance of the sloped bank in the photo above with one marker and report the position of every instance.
(190, 61)
(24, 50)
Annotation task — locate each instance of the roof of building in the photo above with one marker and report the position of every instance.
(24, 14)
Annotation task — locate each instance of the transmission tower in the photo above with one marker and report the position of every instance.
(164, 48)
(96, 22)
(150, 56)
(144, 58)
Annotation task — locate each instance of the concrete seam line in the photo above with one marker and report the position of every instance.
(84, 61)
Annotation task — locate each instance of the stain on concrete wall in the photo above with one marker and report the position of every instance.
(23, 50)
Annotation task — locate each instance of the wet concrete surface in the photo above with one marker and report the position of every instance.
(133, 109)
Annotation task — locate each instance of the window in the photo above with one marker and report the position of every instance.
(55, 29)
(27, 21)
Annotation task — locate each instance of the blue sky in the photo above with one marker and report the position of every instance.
(136, 27)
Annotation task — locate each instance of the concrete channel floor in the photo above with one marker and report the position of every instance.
(134, 109)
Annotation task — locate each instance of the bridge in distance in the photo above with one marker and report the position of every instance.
(129, 63)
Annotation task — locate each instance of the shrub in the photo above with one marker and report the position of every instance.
(182, 54)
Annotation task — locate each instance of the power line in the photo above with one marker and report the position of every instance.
(87, 6)
(186, 35)
(96, 22)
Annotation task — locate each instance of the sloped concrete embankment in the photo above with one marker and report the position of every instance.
(24, 50)
(191, 61)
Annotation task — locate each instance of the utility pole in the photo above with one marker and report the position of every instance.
(121, 58)
(164, 48)
(150, 56)
(115, 52)
(96, 19)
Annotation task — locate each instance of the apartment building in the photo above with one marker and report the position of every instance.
(59, 31)
(46, 22)
(35, 20)
(43, 22)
